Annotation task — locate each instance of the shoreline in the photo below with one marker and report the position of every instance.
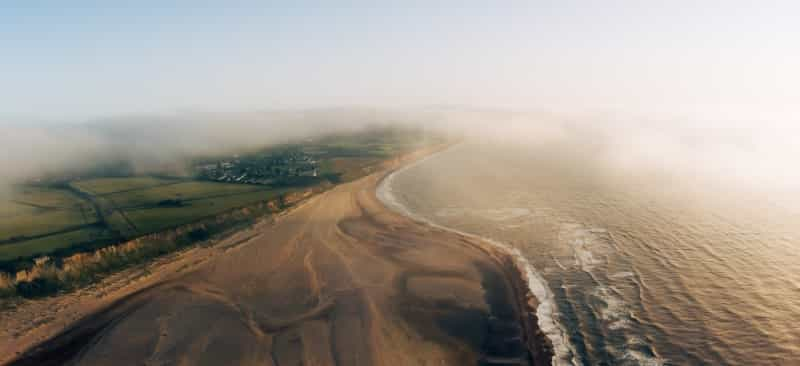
(532, 290)
(421, 277)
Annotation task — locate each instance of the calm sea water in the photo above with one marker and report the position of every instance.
(633, 269)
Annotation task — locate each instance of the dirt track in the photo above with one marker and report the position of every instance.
(340, 280)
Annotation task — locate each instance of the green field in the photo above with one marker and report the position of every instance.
(39, 221)
(154, 219)
(51, 243)
(101, 186)
(184, 191)
(90, 212)
(35, 211)
(45, 197)
(10, 208)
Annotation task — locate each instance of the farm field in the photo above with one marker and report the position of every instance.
(52, 243)
(86, 213)
(187, 191)
(102, 186)
(43, 220)
(153, 219)
(35, 211)
(38, 223)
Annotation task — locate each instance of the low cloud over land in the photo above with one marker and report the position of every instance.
(742, 151)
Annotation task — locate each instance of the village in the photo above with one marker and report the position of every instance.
(265, 169)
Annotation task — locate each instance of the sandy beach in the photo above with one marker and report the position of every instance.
(337, 280)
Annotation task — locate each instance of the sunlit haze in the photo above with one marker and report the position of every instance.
(711, 59)
(539, 183)
(669, 76)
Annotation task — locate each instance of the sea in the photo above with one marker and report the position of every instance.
(629, 266)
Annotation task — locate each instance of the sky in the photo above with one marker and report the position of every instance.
(81, 60)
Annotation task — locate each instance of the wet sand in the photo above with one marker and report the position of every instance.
(339, 280)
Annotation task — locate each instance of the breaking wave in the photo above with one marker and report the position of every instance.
(564, 353)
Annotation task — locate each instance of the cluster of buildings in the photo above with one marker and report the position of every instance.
(260, 169)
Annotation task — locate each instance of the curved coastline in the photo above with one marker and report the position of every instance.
(340, 268)
(541, 301)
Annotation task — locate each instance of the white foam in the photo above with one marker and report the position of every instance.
(619, 324)
(614, 309)
(617, 315)
(497, 214)
(642, 359)
(545, 312)
(558, 263)
(505, 214)
(622, 275)
(450, 211)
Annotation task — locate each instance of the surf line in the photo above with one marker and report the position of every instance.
(563, 352)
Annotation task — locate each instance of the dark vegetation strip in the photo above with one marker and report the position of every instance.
(12, 266)
(107, 259)
(200, 198)
(17, 264)
(128, 221)
(69, 229)
(125, 217)
(83, 215)
(177, 181)
(41, 207)
(98, 210)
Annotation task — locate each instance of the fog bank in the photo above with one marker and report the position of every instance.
(723, 149)
(715, 148)
(161, 144)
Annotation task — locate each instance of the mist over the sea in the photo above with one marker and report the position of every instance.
(645, 263)
(660, 241)
(755, 151)
(750, 152)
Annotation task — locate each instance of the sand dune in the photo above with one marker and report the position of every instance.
(340, 280)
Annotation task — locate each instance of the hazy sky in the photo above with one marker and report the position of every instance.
(73, 60)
